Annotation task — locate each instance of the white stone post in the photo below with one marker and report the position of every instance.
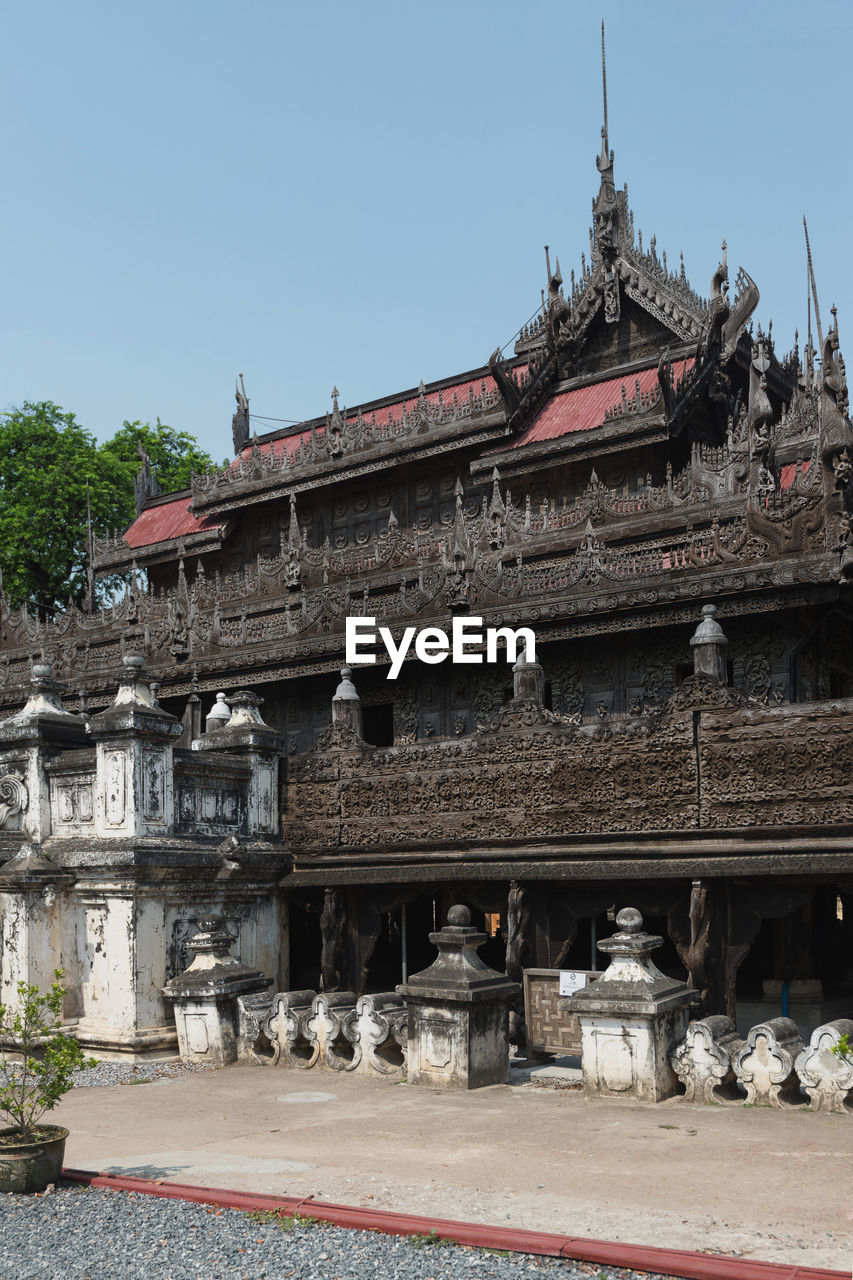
(346, 704)
(205, 996)
(709, 646)
(631, 1019)
(458, 1033)
(134, 738)
(28, 740)
(246, 734)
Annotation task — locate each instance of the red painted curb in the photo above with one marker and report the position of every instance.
(668, 1262)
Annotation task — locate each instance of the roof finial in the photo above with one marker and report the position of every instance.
(605, 204)
(814, 287)
(604, 86)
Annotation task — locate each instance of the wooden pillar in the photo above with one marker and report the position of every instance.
(333, 959)
(713, 926)
(518, 954)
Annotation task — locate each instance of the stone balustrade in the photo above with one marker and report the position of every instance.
(765, 1064)
(448, 1026)
(703, 1060)
(337, 1031)
(772, 1067)
(825, 1075)
(377, 1028)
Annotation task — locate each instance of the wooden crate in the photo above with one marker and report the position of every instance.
(550, 1026)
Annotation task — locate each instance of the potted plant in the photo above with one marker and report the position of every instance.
(36, 1066)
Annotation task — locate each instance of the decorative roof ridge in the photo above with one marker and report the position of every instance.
(676, 281)
(375, 405)
(162, 499)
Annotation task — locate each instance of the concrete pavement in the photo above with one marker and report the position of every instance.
(774, 1185)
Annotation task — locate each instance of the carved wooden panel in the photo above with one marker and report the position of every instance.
(550, 1026)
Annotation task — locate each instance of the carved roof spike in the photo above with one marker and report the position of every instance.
(240, 420)
(145, 484)
(294, 536)
(497, 507)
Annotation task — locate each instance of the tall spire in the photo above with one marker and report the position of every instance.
(604, 87)
(605, 210)
(604, 162)
(814, 287)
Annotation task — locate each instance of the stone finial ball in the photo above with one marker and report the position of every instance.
(210, 923)
(629, 920)
(133, 661)
(708, 610)
(42, 671)
(459, 915)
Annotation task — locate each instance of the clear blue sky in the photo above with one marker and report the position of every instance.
(358, 194)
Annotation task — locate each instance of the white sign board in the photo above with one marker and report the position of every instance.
(570, 982)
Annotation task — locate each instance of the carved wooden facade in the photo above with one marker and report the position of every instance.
(641, 451)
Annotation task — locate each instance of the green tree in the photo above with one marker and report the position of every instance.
(174, 455)
(46, 460)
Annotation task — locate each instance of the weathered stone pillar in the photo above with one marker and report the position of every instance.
(31, 898)
(134, 762)
(246, 734)
(631, 1018)
(205, 996)
(32, 889)
(346, 704)
(458, 1013)
(28, 741)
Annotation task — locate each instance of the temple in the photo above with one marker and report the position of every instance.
(642, 480)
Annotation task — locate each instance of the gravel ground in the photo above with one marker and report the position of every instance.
(86, 1233)
(106, 1074)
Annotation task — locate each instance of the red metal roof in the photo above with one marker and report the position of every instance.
(277, 447)
(388, 414)
(584, 408)
(459, 391)
(168, 520)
